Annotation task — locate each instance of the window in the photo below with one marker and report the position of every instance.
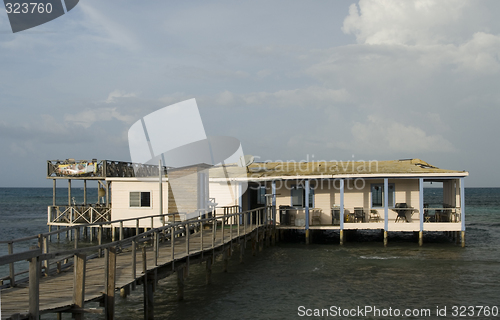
(298, 194)
(140, 199)
(261, 195)
(378, 195)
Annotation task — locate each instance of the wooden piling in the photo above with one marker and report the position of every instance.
(180, 283)
(34, 288)
(134, 262)
(254, 244)
(341, 237)
(208, 268)
(420, 238)
(242, 251)
(80, 261)
(307, 236)
(463, 239)
(225, 259)
(109, 281)
(385, 238)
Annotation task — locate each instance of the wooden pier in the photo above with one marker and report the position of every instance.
(64, 281)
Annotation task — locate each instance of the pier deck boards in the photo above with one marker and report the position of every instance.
(56, 291)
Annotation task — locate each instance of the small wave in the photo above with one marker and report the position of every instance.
(377, 258)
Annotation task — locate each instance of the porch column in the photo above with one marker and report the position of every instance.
(462, 210)
(240, 197)
(160, 191)
(107, 193)
(307, 211)
(386, 209)
(421, 210)
(273, 192)
(84, 192)
(341, 211)
(54, 192)
(69, 192)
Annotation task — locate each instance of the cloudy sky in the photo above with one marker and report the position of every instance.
(337, 80)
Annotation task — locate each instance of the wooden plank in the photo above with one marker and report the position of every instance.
(56, 292)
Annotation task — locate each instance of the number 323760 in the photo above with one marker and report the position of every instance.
(31, 7)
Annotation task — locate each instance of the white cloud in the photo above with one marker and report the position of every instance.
(379, 135)
(419, 22)
(113, 96)
(301, 97)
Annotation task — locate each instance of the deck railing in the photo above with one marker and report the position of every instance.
(43, 261)
(78, 214)
(290, 216)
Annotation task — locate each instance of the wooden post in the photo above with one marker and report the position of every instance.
(463, 239)
(12, 273)
(80, 261)
(155, 248)
(420, 238)
(241, 251)
(109, 296)
(261, 241)
(121, 230)
(134, 262)
(34, 288)
(99, 239)
(307, 236)
(172, 245)
(385, 238)
(180, 283)
(147, 288)
(341, 237)
(224, 260)
(69, 192)
(45, 250)
(254, 246)
(209, 271)
(124, 291)
(53, 192)
(85, 194)
(148, 299)
(76, 233)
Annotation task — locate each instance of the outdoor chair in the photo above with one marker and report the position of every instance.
(335, 216)
(359, 214)
(316, 217)
(374, 215)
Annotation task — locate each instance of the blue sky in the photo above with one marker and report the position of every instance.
(339, 80)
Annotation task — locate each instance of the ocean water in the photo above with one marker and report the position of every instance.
(293, 280)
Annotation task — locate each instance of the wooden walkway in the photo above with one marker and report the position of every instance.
(57, 292)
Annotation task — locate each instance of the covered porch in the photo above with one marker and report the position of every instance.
(394, 204)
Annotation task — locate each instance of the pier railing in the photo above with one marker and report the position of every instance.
(43, 262)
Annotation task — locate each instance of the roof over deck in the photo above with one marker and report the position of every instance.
(336, 169)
